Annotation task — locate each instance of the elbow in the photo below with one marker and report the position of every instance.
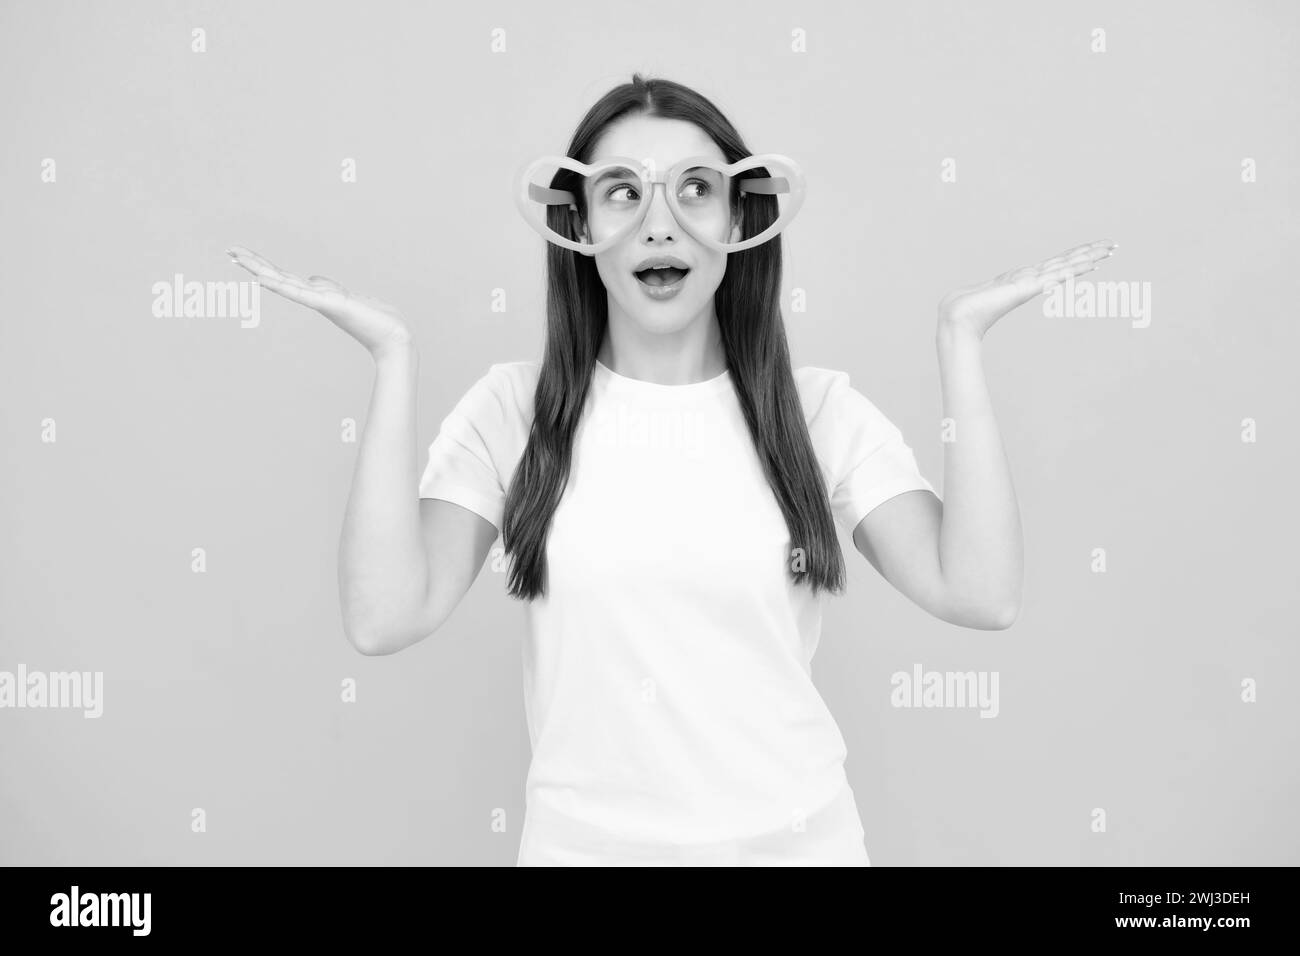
(378, 636)
(1001, 606)
(984, 615)
(371, 648)
(367, 622)
(367, 641)
(1004, 616)
(1001, 614)
(382, 620)
(369, 633)
(984, 602)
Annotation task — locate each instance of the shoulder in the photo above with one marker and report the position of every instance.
(503, 394)
(511, 378)
(496, 411)
(818, 385)
(861, 452)
(843, 423)
(485, 432)
(829, 396)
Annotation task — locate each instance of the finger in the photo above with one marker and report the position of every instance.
(294, 278)
(279, 275)
(326, 283)
(1060, 262)
(246, 256)
(1056, 261)
(1060, 274)
(259, 265)
(1098, 249)
(1087, 253)
(315, 292)
(1085, 247)
(1090, 258)
(1015, 275)
(1090, 251)
(1086, 262)
(294, 292)
(258, 259)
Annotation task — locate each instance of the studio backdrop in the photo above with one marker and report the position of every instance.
(175, 474)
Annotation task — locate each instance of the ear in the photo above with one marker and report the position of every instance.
(579, 226)
(735, 227)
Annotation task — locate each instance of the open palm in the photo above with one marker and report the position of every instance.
(376, 325)
(976, 309)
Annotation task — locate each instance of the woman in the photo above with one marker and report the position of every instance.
(666, 487)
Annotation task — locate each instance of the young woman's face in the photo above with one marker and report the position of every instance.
(641, 299)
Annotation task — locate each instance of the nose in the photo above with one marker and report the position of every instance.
(659, 224)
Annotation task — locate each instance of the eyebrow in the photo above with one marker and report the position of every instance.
(617, 172)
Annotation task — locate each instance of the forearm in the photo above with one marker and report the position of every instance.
(981, 548)
(383, 566)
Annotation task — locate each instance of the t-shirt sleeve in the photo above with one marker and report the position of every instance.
(864, 453)
(466, 457)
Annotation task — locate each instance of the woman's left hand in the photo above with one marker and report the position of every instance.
(974, 310)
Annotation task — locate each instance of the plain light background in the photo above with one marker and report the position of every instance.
(1119, 691)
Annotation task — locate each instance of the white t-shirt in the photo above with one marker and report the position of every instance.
(667, 670)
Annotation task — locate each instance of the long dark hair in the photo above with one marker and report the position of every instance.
(747, 304)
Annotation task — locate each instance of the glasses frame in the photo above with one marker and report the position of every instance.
(528, 194)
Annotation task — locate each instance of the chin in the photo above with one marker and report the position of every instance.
(661, 316)
(663, 321)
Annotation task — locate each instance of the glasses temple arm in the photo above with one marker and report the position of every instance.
(550, 197)
(767, 185)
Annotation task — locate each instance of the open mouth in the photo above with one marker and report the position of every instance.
(662, 276)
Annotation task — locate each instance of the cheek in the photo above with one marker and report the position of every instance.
(708, 276)
(610, 273)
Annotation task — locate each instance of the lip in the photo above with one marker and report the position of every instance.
(653, 262)
(663, 291)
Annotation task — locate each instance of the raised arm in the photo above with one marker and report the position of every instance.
(404, 563)
(962, 559)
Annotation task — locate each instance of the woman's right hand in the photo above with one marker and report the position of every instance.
(376, 325)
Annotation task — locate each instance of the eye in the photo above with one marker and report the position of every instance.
(702, 189)
(610, 194)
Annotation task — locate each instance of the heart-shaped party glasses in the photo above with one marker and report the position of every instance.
(588, 207)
